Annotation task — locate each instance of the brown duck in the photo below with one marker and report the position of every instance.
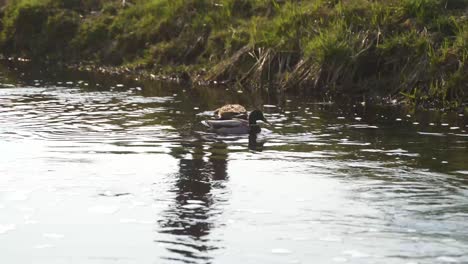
(231, 111)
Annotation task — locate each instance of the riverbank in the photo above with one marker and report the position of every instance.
(412, 50)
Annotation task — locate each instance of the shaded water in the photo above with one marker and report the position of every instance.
(97, 170)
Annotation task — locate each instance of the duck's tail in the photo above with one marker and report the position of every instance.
(205, 123)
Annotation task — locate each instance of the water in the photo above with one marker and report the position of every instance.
(95, 169)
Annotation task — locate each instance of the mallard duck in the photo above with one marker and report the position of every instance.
(236, 125)
(231, 111)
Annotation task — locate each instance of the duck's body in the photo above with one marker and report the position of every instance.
(237, 126)
(233, 126)
(231, 111)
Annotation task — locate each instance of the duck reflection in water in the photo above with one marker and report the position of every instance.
(187, 223)
(254, 143)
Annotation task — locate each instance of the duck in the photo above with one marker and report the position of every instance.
(230, 111)
(237, 125)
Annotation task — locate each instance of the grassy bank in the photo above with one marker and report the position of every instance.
(415, 49)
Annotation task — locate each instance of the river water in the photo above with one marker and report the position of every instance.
(96, 169)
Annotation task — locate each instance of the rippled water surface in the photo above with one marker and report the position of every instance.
(98, 170)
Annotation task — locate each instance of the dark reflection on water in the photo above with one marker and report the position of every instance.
(190, 218)
(254, 143)
(325, 183)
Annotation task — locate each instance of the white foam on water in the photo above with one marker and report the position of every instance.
(43, 246)
(195, 202)
(371, 150)
(281, 251)
(192, 206)
(6, 228)
(447, 259)
(101, 209)
(355, 254)
(331, 239)
(53, 235)
(136, 221)
(26, 209)
(340, 259)
(432, 134)
(301, 239)
(17, 196)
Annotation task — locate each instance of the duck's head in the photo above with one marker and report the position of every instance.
(256, 115)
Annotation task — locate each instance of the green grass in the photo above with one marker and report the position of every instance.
(413, 49)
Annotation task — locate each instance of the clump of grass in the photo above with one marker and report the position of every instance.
(36, 28)
(22, 26)
(416, 49)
